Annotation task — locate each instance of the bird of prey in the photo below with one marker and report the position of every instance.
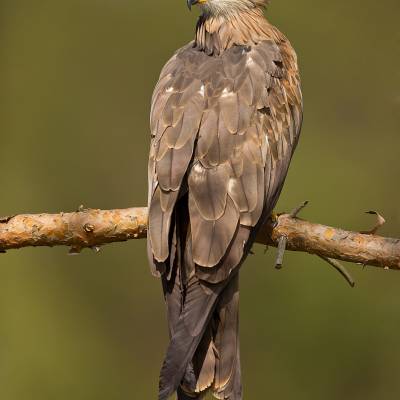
(225, 120)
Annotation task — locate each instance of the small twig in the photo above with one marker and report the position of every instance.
(283, 240)
(281, 252)
(298, 209)
(379, 223)
(339, 267)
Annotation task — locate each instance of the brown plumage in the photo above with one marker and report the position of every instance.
(225, 120)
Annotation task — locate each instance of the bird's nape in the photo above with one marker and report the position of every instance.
(222, 8)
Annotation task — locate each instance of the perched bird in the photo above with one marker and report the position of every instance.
(225, 120)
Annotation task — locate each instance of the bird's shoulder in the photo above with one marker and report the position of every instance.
(270, 58)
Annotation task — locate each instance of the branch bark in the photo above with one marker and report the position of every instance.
(94, 228)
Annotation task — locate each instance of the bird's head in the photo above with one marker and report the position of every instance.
(225, 7)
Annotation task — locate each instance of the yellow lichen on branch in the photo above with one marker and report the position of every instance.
(93, 228)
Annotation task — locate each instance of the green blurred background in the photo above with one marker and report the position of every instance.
(76, 78)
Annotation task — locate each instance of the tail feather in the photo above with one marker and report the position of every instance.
(189, 330)
(204, 362)
(233, 391)
(227, 383)
(203, 354)
(204, 350)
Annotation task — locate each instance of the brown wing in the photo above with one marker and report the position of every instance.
(224, 129)
(177, 108)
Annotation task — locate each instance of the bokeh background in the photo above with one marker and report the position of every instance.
(76, 78)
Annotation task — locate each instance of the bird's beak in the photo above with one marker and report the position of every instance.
(191, 3)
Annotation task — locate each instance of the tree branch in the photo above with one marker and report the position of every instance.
(94, 228)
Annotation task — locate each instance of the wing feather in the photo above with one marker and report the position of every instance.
(229, 107)
(208, 128)
(209, 188)
(224, 128)
(211, 239)
(171, 168)
(159, 223)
